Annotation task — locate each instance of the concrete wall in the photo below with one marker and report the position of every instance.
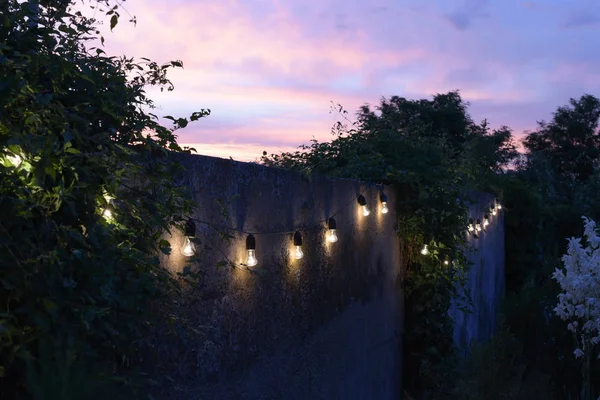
(485, 278)
(324, 327)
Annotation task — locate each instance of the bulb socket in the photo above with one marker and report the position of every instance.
(361, 200)
(297, 239)
(190, 228)
(383, 198)
(332, 224)
(250, 242)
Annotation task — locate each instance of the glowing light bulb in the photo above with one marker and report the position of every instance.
(332, 236)
(486, 221)
(384, 208)
(499, 206)
(251, 261)
(15, 160)
(446, 261)
(494, 212)
(425, 250)
(478, 226)
(298, 254)
(107, 214)
(363, 203)
(471, 227)
(188, 249)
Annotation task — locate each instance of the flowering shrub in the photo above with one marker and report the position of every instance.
(579, 302)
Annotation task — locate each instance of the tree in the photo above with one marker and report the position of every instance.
(77, 287)
(571, 140)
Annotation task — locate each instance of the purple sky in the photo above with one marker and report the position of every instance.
(268, 69)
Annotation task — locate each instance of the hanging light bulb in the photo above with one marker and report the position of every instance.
(363, 203)
(493, 209)
(298, 254)
(471, 227)
(447, 261)
(486, 220)
(251, 261)
(425, 250)
(188, 248)
(498, 205)
(478, 225)
(384, 207)
(331, 235)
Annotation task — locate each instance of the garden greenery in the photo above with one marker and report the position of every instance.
(77, 289)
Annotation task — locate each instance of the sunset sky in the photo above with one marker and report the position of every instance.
(269, 69)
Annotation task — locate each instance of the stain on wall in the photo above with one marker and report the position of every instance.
(327, 326)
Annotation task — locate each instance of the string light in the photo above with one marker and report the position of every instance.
(251, 261)
(384, 207)
(363, 203)
(478, 225)
(493, 209)
(486, 220)
(331, 235)
(425, 250)
(298, 254)
(471, 228)
(188, 248)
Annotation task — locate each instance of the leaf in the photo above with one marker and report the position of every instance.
(113, 21)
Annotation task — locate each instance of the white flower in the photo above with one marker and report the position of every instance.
(580, 284)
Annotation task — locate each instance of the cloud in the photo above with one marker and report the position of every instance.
(268, 69)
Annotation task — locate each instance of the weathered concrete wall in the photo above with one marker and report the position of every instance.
(485, 278)
(324, 327)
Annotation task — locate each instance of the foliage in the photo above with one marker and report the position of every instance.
(551, 187)
(77, 287)
(579, 301)
(433, 152)
(571, 141)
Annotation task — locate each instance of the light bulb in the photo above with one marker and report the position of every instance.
(332, 236)
(15, 160)
(188, 249)
(499, 206)
(252, 261)
(446, 262)
(366, 211)
(425, 250)
(471, 228)
(298, 254)
(384, 208)
(478, 227)
(107, 214)
(486, 221)
(494, 212)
